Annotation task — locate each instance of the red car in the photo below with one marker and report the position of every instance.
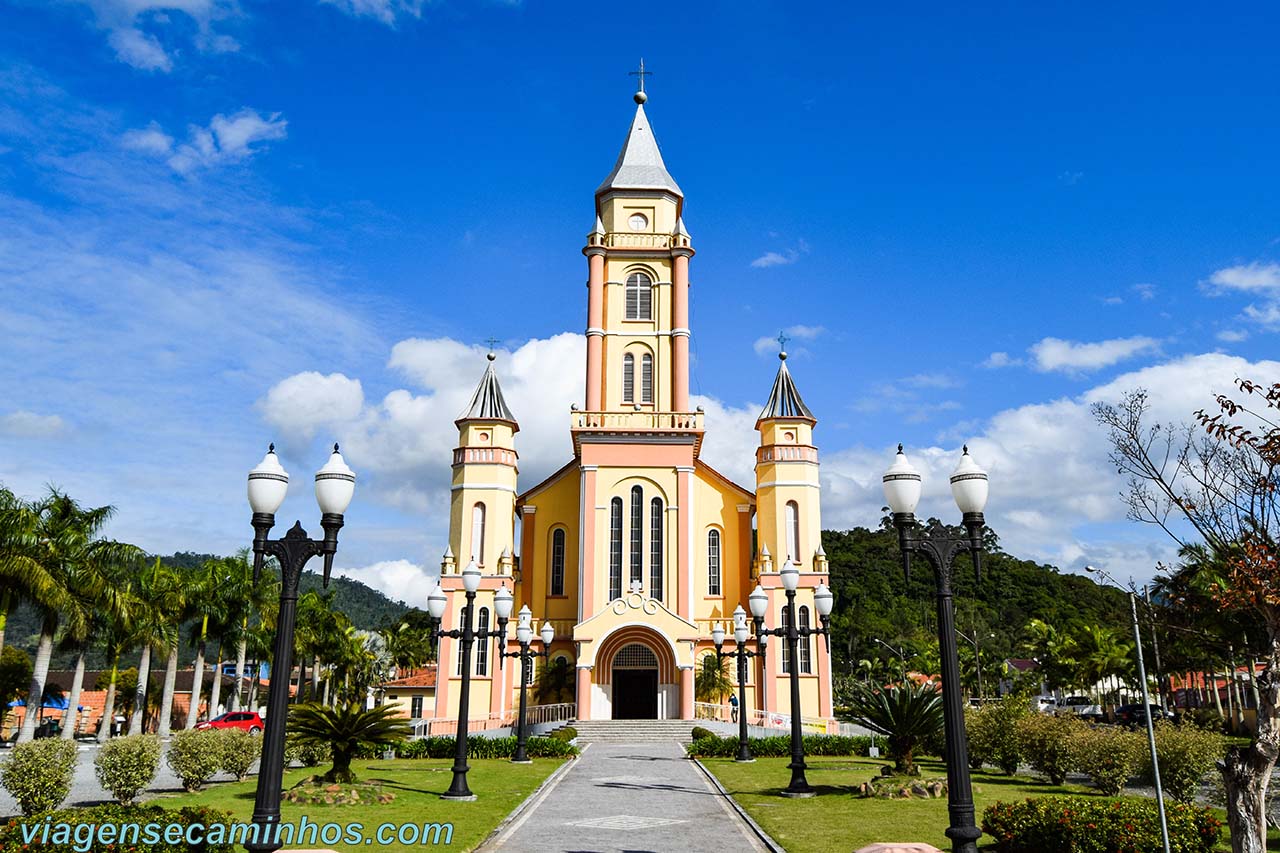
(247, 720)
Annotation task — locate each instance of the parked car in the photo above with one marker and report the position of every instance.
(1081, 706)
(1043, 704)
(247, 720)
(1136, 715)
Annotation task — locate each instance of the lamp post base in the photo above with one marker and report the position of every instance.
(787, 792)
(522, 761)
(744, 761)
(461, 798)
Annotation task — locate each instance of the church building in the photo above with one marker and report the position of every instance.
(637, 548)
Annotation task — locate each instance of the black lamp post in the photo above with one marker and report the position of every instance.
(741, 633)
(938, 545)
(524, 636)
(436, 603)
(792, 634)
(335, 485)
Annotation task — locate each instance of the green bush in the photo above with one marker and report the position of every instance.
(69, 830)
(125, 766)
(307, 754)
(777, 746)
(484, 747)
(195, 756)
(1094, 825)
(1108, 755)
(38, 773)
(239, 750)
(1208, 718)
(1045, 744)
(992, 731)
(565, 734)
(699, 732)
(1186, 753)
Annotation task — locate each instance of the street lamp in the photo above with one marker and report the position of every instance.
(524, 636)
(436, 602)
(792, 633)
(335, 485)
(937, 544)
(741, 633)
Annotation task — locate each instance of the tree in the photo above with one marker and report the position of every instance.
(713, 683)
(204, 604)
(154, 627)
(15, 675)
(907, 714)
(346, 730)
(555, 682)
(1216, 484)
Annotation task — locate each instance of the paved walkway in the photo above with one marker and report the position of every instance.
(629, 798)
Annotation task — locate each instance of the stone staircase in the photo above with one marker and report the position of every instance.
(633, 731)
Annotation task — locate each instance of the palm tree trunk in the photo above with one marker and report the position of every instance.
(72, 718)
(166, 696)
(140, 693)
(109, 712)
(1217, 698)
(197, 685)
(6, 601)
(253, 685)
(241, 650)
(39, 674)
(215, 695)
(315, 676)
(302, 675)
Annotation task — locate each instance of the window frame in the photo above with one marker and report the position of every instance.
(657, 541)
(638, 294)
(646, 378)
(479, 513)
(715, 569)
(635, 538)
(556, 561)
(482, 648)
(615, 548)
(628, 378)
(792, 522)
(805, 646)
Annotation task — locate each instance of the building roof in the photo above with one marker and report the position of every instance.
(784, 399)
(487, 403)
(640, 165)
(425, 677)
(1023, 664)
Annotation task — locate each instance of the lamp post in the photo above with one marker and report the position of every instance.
(335, 486)
(1146, 704)
(524, 636)
(741, 633)
(436, 603)
(792, 633)
(938, 545)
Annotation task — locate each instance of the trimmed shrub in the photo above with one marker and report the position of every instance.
(484, 747)
(778, 746)
(1208, 718)
(239, 751)
(1094, 825)
(993, 733)
(565, 734)
(1045, 744)
(699, 732)
(306, 754)
(38, 773)
(69, 830)
(1109, 755)
(125, 766)
(1186, 753)
(195, 755)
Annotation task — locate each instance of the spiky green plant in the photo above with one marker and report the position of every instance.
(346, 730)
(906, 714)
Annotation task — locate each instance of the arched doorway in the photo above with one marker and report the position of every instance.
(635, 683)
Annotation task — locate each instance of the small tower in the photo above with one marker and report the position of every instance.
(482, 511)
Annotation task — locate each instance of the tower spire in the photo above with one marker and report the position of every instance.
(487, 403)
(640, 96)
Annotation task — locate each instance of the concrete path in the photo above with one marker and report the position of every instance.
(629, 798)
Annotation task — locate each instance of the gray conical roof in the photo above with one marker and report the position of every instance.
(487, 403)
(784, 399)
(640, 165)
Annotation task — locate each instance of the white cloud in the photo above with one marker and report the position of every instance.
(778, 259)
(1248, 278)
(1146, 292)
(399, 580)
(306, 402)
(1233, 336)
(1112, 300)
(1055, 354)
(932, 380)
(139, 49)
(227, 139)
(1000, 359)
(135, 28)
(1267, 314)
(766, 345)
(23, 424)
(386, 11)
(151, 140)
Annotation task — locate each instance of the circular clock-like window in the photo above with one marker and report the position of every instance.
(638, 222)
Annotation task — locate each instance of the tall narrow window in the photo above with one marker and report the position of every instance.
(557, 561)
(805, 647)
(477, 534)
(628, 378)
(655, 548)
(713, 562)
(793, 531)
(639, 297)
(786, 652)
(615, 549)
(637, 535)
(482, 648)
(415, 707)
(646, 378)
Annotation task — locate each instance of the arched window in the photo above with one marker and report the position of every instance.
(637, 536)
(639, 297)
(557, 561)
(655, 548)
(628, 378)
(482, 648)
(646, 378)
(477, 534)
(805, 647)
(713, 562)
(615, 549)
(786, 651)
(793, 530)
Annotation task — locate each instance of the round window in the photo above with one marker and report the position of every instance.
(638, 222)
(484, 438)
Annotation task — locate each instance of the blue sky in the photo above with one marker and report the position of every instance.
(225, 223)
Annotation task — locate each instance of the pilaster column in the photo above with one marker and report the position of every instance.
(680, 330)
(684, 539)
(595, 326)
(583, 687)
(686, 693)
(587, 569)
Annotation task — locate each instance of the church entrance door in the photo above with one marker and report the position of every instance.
(635, 683)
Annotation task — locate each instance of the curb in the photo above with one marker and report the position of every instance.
(765, 839)
(529, 802)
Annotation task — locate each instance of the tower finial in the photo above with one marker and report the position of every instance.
(492, 342)
(640, 96)
(782, 346)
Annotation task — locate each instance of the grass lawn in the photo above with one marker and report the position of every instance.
(811, 825)
(499, 786)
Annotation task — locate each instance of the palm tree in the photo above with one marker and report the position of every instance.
(346, 730)
(1100, 654)
(713, 683)
(204, 604)
(906, 714)
(177, 586)
(159, 604)
(555, 682)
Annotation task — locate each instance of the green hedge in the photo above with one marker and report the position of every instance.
(77, 824)
(779, 746)
(1096, 825)
(565, 734)
(483, 747)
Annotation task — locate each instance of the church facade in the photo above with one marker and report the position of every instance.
(636, 548)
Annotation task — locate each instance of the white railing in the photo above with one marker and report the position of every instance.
(534, 715)
(562, 712)
(684, 421)
(764, 719)
(631, 240)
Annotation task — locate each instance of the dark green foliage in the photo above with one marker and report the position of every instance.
(993, 734)
(565, 734)
(347, 730)
(906, 714)
(699, 733)
(1045, 742)
(38, 773)
(485, 747)
(778, 746)
(213, 826)
(309, 754)
(15, 677)
(1095, 825)
(1186, 754)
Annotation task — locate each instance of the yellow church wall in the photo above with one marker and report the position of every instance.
(556, 506)
(659, 208)
(716, 507)
(637, 337)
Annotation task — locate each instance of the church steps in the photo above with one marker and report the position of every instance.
(633, 731)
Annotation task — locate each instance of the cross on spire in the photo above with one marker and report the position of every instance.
(640, 97)
(492, 342)
(782, 341)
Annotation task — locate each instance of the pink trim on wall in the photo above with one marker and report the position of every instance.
(684, 532)
(588, 555)
(595, 320)
(680, 343)
(583, 685)
(686, 694)
(638, 455)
